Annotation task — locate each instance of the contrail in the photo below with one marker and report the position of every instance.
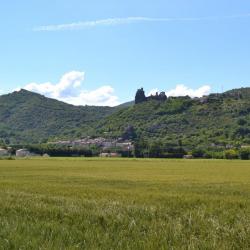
(130, 20)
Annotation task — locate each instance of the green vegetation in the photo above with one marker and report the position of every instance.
(214, 123)
(142, 149)
(175, 125)
(26, 117)
(124, 204)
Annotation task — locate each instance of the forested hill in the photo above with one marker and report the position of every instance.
(219, 119)
(27, 117)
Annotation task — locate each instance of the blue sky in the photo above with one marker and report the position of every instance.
(100, 52)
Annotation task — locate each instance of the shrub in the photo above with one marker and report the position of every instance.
(198, 153)
(218, 155)
(245, 153)
(242, 122)
(7, 158)
(208, 155)
(231, 154)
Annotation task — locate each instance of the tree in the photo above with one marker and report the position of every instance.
(129, 133)
(231, 154)
(242, 131)
(2, 143)
(141, 148)
(245, 153)
(156, 149)
(242, 122)
(198, 152)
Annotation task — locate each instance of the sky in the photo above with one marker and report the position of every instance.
(100, 52)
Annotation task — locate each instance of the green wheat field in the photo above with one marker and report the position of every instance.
(124, 204)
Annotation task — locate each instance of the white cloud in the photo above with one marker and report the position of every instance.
(103, 96)
(182, 90)
(69, 89)
(129, 20)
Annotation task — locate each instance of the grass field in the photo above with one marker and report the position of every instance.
(124, 204)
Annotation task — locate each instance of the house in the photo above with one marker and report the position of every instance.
(125, 146)
(3, 152)
(110, 155)
(104, 155)
(114, 155)
(188, 157)
(22, 153)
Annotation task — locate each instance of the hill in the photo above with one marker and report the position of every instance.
(27, 117)
(126, 104)
(219, 120)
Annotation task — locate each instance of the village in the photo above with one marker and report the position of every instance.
(100, 142)
(106, 147)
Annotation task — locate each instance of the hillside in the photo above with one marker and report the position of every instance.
(218, 120)
(27, 117)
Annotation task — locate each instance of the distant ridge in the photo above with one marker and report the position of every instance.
(27, 117)
(126, 104)
(217, 119)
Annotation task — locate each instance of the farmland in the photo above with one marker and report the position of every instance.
(124, 204)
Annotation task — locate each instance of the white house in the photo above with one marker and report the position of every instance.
(188, 157)
(104, 155)
(22, 153)
(3, 152)
(110, 155)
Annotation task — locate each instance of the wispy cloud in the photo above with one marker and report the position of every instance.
(129, 20)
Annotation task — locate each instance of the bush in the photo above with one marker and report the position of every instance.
(59, 150)
(218, 155)
(198, 153)
(208, 155)
(231, 154)
(7, 158)
(242, 122)
(172, 155)
(245, 153)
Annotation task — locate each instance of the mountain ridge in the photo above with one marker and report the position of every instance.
(217, 119)
(30, 117)
(27, 117)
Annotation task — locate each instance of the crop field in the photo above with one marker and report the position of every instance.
(124, 204)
